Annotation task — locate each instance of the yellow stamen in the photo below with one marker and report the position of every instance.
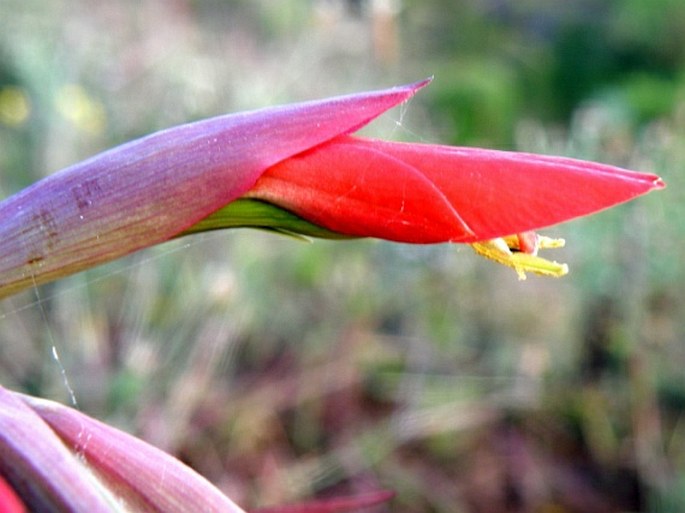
(500, 250)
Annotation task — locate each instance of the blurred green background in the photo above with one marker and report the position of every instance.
(283, 370)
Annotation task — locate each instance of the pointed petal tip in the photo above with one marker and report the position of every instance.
(658, 183)
(646, 181)
(413, 87)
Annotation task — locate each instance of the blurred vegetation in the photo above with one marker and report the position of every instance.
(283, 370)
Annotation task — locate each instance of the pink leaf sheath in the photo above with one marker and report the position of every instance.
(39, 467)
(147, 191)
(146, 477)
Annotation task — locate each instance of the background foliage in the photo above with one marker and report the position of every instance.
(282, 370)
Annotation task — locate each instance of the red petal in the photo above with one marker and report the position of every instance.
(9, 502)
(427, 193)
(355, 189)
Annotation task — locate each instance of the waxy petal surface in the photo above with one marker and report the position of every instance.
(423, 193)
(147, 191)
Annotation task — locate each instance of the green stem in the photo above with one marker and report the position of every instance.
(251, 213)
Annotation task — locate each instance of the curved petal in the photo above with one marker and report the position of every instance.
(428, 193)
(358, 189)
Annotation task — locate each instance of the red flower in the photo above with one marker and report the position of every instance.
(164, 185)
(424, 194)
(291, 169)
(421, 193)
